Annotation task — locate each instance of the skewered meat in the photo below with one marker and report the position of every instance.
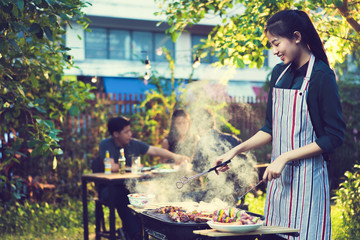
(178, 214)
(169, 209)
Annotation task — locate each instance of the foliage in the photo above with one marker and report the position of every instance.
(34, 98)
(35, 221)
(337, 229)
(348, 154)
(239, 39)
(348, 196)
(80, 144)
(256, 203)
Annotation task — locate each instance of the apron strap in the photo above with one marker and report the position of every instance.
(282, 74)
(308, 73)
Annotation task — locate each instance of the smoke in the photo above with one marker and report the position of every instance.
(225, 187)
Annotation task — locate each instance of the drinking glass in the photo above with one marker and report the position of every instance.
(135, 164)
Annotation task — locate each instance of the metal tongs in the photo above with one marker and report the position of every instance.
(184, 180)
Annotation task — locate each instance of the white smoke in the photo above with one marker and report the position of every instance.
(225, 187)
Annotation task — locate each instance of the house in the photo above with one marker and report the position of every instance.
(126, 33)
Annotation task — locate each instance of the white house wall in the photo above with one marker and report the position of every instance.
(144, 9)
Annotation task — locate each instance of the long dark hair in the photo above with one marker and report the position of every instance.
(173, 136)
(286, 22)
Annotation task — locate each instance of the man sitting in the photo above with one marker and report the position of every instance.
(121, 137)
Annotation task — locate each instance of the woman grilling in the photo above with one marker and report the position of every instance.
(303, 122)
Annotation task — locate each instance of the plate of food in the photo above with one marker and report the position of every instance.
(233, 227)
(234, 220)
(164, 168)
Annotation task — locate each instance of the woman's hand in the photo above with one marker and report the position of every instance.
(274, 170)
(227, 156)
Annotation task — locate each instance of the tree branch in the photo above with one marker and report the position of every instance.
(344, 11)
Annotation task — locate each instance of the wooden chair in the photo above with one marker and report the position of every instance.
(97, 165)
(100, 226)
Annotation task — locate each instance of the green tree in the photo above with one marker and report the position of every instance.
(34, 97)
(239, 39)
(153, 119)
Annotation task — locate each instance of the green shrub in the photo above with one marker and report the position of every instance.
(34, 220)
(348, 197)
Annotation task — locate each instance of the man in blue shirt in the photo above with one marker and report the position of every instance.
(121, 137)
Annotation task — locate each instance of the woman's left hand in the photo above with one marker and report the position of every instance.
(275, 168)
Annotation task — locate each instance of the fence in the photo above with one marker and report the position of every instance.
(245, 114)
(81, 133)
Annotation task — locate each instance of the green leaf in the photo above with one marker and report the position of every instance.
(58, 77)
(35, 28)
(52, 19)
(14, 44)
(21, 91)
(20, 4)
(15, 11)
(17, 144)
(49, 124)
(240, 63)
(40, 109)
(64, 16)
(175, 36)
(31, 143)
(74, 110)
(58, 151)
(34, 81)
(338, 3)
(48, 33)
(2, 44)
(40, 34)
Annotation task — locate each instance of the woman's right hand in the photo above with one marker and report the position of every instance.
(227, 156)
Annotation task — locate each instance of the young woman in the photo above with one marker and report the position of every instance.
(303, 122)
(180, 139)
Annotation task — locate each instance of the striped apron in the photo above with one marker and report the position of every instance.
(299, 198)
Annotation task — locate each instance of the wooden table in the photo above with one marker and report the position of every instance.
(259, 233)
(106, 179)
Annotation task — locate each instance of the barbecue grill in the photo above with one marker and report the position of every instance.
(160, 226)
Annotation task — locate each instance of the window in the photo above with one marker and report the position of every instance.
(104, 43)
(162, 40)
(196, 40)
(119, 45)
(96, 43)
(142, 45)
(266, 60)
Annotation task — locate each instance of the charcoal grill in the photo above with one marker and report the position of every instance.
(160, 226)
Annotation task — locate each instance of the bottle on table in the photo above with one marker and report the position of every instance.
(122, 161)
(107, 162)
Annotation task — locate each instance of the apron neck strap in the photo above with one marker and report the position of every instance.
(308, 72)
(282, 74)
(307, 76)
